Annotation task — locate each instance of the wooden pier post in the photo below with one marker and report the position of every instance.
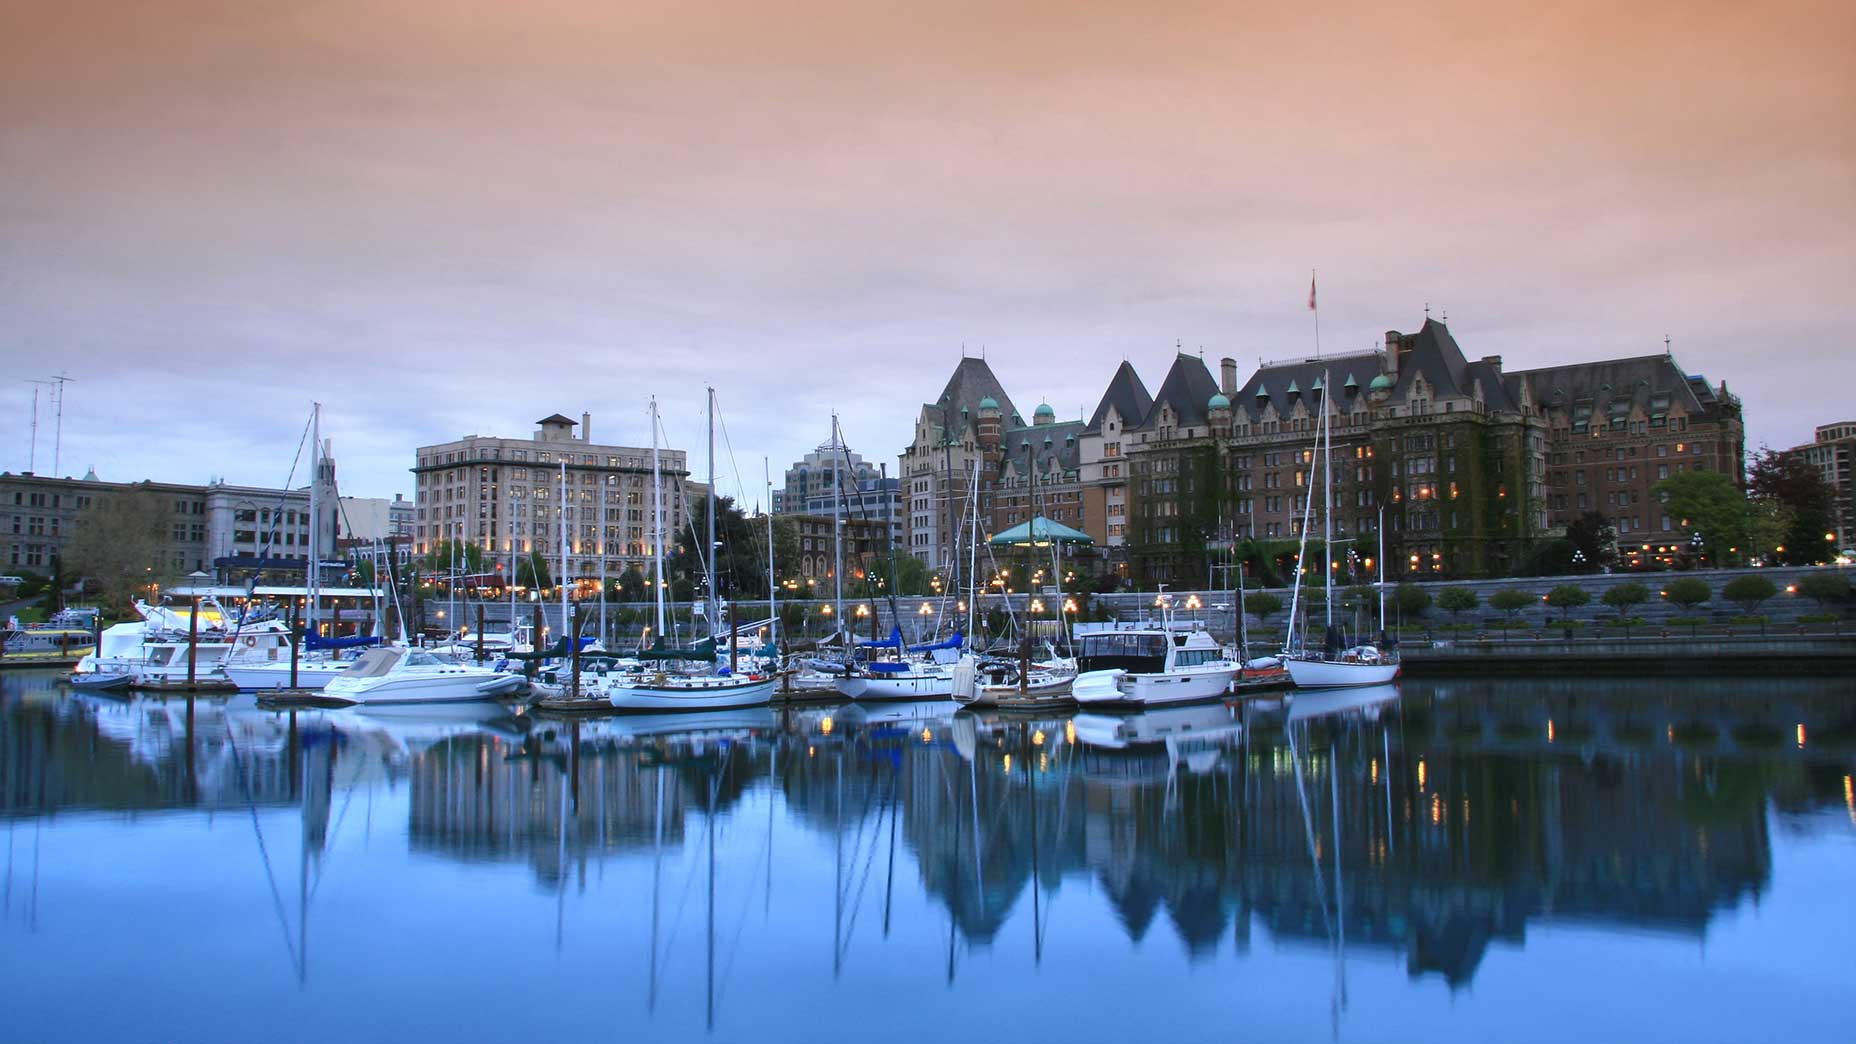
(295, 638)
(573, 636)
(734, 640)
(480, 631)
(193, 648)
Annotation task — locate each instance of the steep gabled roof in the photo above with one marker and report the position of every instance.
(1635, 380)
(556, 419)
(1127, 395)
(972, 381)
(1433, 353)
(1275, 380)
(1188, 386)
(1054, 446)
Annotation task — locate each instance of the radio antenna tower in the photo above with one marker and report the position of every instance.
(58, 426)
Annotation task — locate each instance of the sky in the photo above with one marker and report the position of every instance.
(442, 217)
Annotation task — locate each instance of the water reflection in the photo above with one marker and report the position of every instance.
(1428, 824)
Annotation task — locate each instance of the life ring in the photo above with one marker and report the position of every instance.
(251, 641)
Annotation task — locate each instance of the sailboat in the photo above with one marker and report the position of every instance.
(1331, 666)
(668, 688)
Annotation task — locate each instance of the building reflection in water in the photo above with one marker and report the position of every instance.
(1431, 823)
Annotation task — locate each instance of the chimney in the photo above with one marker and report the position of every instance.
(1394, 342)
(586, 427)
(1227, 377)
(1493, 360)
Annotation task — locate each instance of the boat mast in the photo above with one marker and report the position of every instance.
(600, 544)
(837, 528)
(1301, 560)
(773, 591)
(708, 556)
(560, 579)
(657, 520)
(1327, 501)
(1382, 569)
(312, 584)
(973, 548)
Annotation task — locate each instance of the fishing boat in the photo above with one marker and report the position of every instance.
(51, 644)
(1144, 665)
(399, 676)
(94, 682)
(1335, 663)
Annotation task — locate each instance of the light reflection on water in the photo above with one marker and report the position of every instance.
(1660, 858)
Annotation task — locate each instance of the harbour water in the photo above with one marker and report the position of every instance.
(1455, 860)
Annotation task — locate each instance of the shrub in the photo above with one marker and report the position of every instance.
(1824, 588)
(1749, 592)
(1568, 596)
(1623, 598)
(1454, 600)
(1412, 600)
(1510, 602)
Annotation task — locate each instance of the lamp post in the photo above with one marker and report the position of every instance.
(1695, 546)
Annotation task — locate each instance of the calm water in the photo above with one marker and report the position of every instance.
(1595, 860)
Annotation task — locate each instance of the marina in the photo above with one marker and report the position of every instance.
(1346, 864)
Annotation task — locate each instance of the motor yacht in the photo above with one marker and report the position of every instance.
(1144, 665)
(402, 676)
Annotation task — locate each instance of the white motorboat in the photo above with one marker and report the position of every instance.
(310, 674)
(1147, 665)
(401, 676)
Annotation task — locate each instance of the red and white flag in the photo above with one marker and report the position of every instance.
(1311, 291)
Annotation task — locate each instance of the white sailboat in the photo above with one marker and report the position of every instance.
(1331, 666)
(665, 689)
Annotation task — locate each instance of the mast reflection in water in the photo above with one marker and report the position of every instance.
(1668, 860)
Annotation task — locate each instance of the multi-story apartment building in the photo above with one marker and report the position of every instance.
(1833, 453)
(1620, 426)
(961, 430)
(835, 478)
(864, 542)
(216, 527)
(512, 496)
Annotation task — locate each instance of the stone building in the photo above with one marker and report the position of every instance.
(1618, 427)
(963, 427)
(1102, 466)
(505, 496)
(863, 490)
(1833, 453)
(865, 541)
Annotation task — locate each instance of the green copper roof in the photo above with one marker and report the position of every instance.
(1381, 382)
(1293, 390)
(1044, 410)
(989, 403)
(1218, 402)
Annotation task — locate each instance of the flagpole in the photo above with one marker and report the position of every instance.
(1317, 311)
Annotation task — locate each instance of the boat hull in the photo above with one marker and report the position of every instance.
(706, 694)
(872, 687)
(420, 692)
(1328, 674)
(255, 677)
(1118, 688)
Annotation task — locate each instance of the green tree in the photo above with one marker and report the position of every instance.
(1411, 599)
(1567, 597)
(1749, 592)
(1510, 602)
(1262, 605)
(118, 546)
(1454, 600)
(1625, 598)
(1708, 503)
(630, 585)
(1594, 537)
(740, 562)
(1808, 503)
(532, 571)
(1688, 594)
(1824, 588)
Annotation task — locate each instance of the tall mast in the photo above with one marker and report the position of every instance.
(560, 579)
(312, 583)
(708, 556)
(600, 546)
(657, 521)
(1301, 555)
(1382, 569)
(1327, 500)
(773, 590)
(973, 548)
(837, 528)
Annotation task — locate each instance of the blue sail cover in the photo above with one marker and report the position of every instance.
(949, 643)
(894, 641)
(315, 641)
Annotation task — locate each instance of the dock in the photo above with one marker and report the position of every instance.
(1652, 655)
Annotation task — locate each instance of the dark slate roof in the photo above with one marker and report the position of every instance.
(1276, 378)
(1056, 446)
(1495, 389)
(1633, 381)
(1433, 353)
(556, 419)
(1189, 385)
(972, 381)
(1127, 395)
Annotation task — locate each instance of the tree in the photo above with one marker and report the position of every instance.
(1510, 601)
(1567, 597)
(1824, 588)
(1688, 594)
(630, 585)
(465, 557)
(1789, 482)
(1412, 600)
(1749, 592)
(1624, 598)
(740, 562)
(1708, 503)
(532, 571)
(1593, 536)
(118, 545)
(1454, 600)
(1262, 605)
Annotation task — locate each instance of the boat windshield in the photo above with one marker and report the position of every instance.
(1196, 657)
(423, 659)
(1119, 644)
(374, 663)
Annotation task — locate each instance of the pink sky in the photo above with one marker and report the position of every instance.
(444, 217)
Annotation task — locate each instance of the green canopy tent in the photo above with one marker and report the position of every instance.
(1042, 532)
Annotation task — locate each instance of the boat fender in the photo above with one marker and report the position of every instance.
(251, 641)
